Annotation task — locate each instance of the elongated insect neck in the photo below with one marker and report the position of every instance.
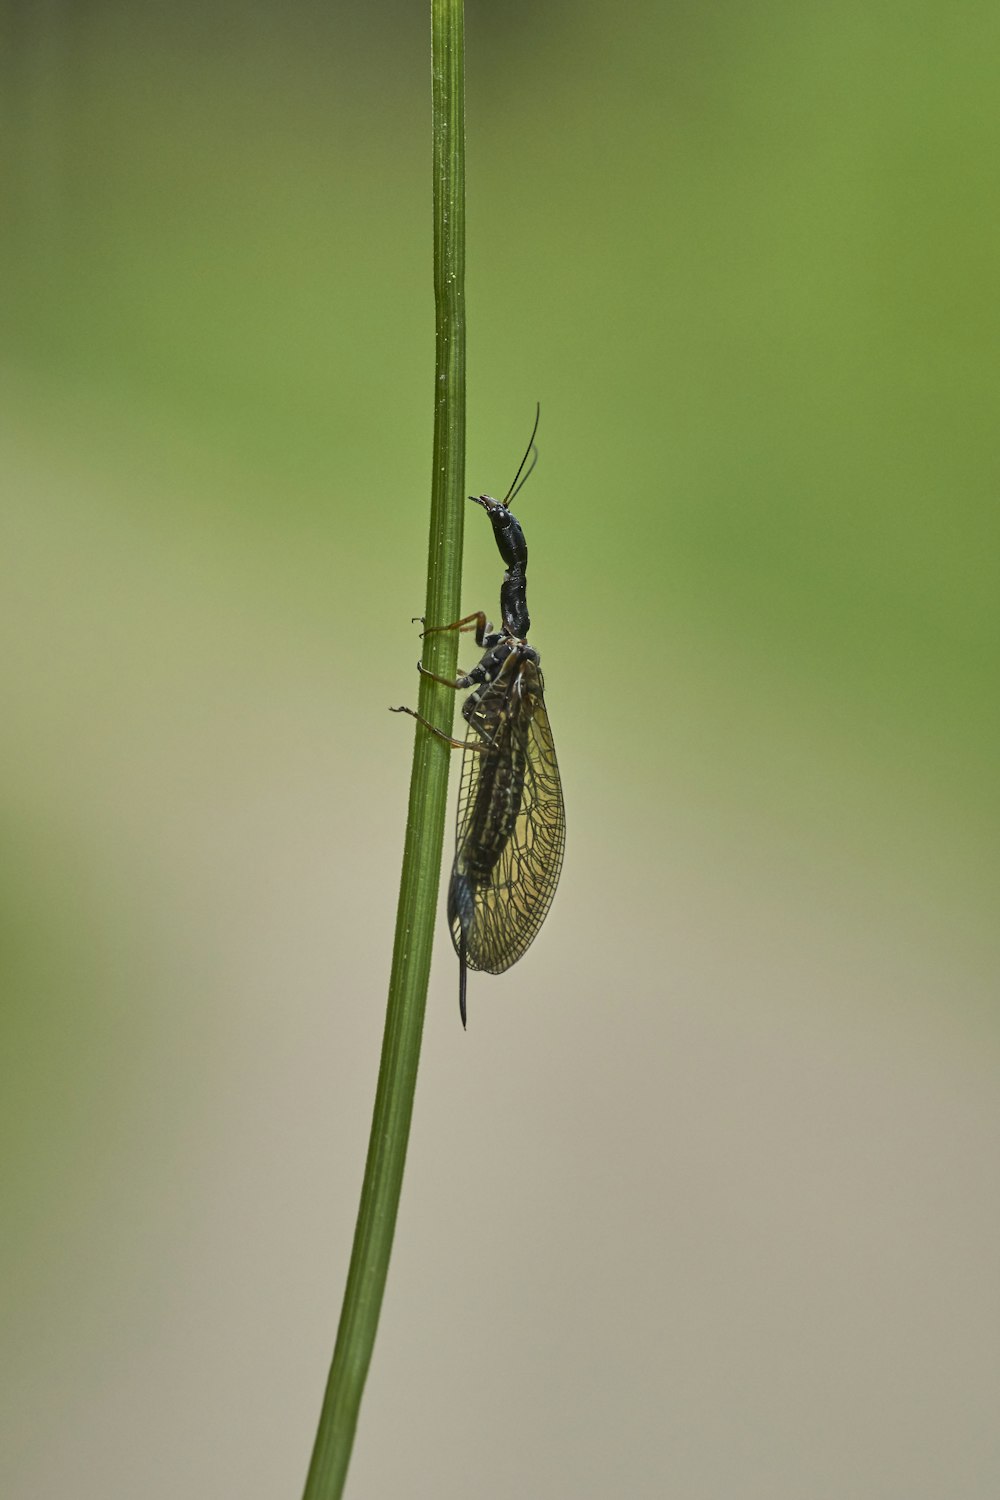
(514, 602)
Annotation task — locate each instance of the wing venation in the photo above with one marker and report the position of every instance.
(511, 823)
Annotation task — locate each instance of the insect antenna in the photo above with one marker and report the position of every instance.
(530, 452)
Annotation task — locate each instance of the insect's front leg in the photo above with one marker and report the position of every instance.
(477, 621)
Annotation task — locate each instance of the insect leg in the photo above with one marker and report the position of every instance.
(468, 622)
(457, 684)
(448, 739)
(484, 671)
(455, 744)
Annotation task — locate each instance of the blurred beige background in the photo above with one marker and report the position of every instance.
(705, 1202)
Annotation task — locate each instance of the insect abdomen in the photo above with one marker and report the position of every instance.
(498, 802)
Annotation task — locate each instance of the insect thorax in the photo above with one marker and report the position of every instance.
(507, 671)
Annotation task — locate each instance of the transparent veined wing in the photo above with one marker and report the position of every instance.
(511, 824)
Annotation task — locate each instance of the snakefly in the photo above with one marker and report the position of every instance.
(511, 821)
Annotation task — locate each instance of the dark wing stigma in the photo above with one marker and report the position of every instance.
(511, 821)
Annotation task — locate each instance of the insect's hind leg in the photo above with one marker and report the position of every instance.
(440, 734)
(455, 744)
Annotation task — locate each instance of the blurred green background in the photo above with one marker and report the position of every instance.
(705, 1201)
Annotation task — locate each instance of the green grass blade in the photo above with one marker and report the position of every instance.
(421, 873)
